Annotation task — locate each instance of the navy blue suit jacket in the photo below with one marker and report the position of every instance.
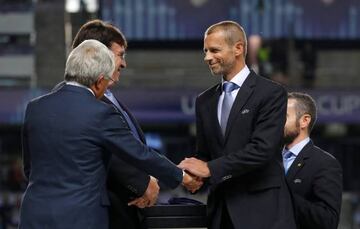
(68, 139)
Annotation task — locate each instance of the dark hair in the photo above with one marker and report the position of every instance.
(305, 104)
(102, 31)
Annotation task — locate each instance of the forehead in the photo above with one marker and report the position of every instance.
(214, 38)
(115, 47)
(291, 103)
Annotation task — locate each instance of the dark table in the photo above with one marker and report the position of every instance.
(175, 216)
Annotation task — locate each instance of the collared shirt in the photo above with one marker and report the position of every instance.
(73, 83)
(296, 150)
(238, 79)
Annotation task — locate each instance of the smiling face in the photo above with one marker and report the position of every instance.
(119, 52)
(219, 55)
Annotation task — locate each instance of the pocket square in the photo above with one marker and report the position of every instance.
(245, 111)
(297, 181)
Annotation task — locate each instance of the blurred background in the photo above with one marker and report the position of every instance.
(307, 45)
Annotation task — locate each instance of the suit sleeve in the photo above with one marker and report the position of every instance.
(264, 143)
(323, 211)
(25, 147)
(128, 176)
(117, 139)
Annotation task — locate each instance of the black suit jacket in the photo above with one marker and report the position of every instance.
(246, 171)
(68, 139)
(315, 179)
(125, 182)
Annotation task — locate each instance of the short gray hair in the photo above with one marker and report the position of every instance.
(88, 61)
(233, 33)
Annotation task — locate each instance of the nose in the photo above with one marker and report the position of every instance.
(207, 57)
(123, 63)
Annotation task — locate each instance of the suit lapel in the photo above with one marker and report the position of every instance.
(212, 108)
(242, 97)
(299, 162)
(134, 121)
(140, 133)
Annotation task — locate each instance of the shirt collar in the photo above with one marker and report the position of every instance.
(73, 83)
(240, 77)
(107, 93)
(299, 146)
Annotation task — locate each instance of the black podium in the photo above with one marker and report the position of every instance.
(175, 216)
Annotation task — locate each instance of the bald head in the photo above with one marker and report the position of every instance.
(232, 31)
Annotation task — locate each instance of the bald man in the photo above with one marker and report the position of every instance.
(240, 123)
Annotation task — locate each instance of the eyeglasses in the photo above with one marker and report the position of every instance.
(123, 56)
(112, 81)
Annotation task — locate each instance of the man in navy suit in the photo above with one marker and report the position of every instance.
(240, 123)
(126, 184)
(68, 138)
(313, 175)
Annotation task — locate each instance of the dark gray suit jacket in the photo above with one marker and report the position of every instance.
(315, 179)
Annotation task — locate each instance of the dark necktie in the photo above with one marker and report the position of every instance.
(228, 101)
(112, 98)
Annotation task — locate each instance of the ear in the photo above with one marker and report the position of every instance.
(100, 82)
(99, 86)
(305, 121)
(239, 48)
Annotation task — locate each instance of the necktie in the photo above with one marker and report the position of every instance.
(228, 101)
(112, 98)
(287, 158)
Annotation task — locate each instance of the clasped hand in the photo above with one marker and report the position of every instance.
(196, 170)
(150, 196)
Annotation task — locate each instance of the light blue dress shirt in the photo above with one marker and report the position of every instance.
(238, 80)
(295, 152)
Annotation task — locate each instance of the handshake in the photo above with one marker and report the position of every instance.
(195, 171)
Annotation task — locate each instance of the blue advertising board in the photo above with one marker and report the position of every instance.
(178, 105)
(188, 19)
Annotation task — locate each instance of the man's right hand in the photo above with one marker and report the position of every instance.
(192, 183)
(150, 196)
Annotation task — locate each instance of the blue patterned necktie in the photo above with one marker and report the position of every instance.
(287, 156)
(228, 101)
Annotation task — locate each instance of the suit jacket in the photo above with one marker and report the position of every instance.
(246, 170)
(125, 182)
(68, 139)
(315, 179)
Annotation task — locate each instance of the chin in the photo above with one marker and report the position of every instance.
(215, 72)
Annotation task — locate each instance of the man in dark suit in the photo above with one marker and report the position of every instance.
(313, 175)
(68, 138)
(240, 125)
(126, 183)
